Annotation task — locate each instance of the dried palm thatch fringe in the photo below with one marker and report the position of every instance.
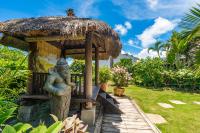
(72, 29)
(74, 125)
(56, 25)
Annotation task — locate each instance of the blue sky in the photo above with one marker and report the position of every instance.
(139, 22)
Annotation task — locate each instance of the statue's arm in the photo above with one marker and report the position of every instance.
(68, 80)
(49, 85)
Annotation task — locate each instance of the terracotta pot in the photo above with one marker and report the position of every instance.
(118, 91)
(103, 86)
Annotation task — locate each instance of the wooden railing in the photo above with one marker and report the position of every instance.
(78, 80)
(39, 80)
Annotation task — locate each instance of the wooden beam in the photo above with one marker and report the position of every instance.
(14, 42)
(97, 66)
(54, 38)
(88, 69)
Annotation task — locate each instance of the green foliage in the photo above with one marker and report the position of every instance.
(157, 47)
(148, 72)
(13, 72)
(153, 73)
(104, 75)
(6, 110)
(127, 63)
(182, 79)
(77, 66)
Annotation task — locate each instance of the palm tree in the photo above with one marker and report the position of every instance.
(191, 22)
(178, 49)
(157, 47)
(191, 25)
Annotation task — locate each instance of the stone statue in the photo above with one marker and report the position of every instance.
(59, 85)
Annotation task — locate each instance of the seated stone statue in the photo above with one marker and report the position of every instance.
(59, 85)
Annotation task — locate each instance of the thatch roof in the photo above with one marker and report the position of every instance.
(70, 30)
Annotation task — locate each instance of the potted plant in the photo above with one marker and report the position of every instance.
(120, 77)
(104, 77)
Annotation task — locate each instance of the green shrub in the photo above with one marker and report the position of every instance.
(13, 72)
(127, 63)
(148, 72)
(104, 75)
(77, 66)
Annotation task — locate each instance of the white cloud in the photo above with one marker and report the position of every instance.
(152, 3)
(128, 25)
(130, 42)
(160, 27)
(134, 44)
(123, 29)
(150, 9)
(144, 54)
(120, 29)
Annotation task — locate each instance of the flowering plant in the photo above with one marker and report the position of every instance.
(120, 76)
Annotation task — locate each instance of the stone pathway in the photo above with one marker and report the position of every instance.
(196, 102)
(165, 105)
(177, 102)
(132, 121)
(156, 119)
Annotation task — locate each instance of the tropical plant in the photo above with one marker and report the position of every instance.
(157, 47)
(191, 23)
(178, 50)
(120, 76)
(13, 72)
(127, 63)
(148, 72)
(104, 74)
(77, 66)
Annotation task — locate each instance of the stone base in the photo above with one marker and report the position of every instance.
(33, 111)
(26, 113)
(88, 115)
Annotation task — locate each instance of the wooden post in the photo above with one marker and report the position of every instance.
(88, 70)
(111, 62)
(97, 66)
(32, 50)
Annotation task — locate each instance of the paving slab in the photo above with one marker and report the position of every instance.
(132, 121)
(165, 105)
(177, 102)
(197, 102)
(156, 119)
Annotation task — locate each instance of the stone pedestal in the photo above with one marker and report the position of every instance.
(88, 115)
(27, 113)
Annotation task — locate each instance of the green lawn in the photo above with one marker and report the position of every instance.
(181, 119)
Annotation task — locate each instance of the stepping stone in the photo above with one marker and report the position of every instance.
(156, 119)
(165, 105)
(177, 102)
(196, 102)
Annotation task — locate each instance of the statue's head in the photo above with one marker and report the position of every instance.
(62, 66)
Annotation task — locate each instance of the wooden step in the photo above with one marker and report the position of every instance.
(110, 100)
(109, 104)
(102, 94)
(109, 96)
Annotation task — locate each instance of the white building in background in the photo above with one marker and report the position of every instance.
(121, 56)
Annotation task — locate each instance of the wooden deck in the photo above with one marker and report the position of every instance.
(132, 121)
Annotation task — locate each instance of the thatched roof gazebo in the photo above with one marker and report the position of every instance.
(48, 38)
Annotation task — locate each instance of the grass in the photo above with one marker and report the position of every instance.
(180, 119)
